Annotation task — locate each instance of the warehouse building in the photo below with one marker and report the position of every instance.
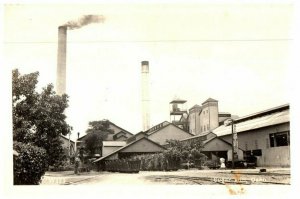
(265, 135)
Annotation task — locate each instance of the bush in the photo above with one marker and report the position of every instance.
(30, 165)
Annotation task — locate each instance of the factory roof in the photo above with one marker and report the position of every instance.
(196, 136)
(128, 145)
(269, 117)
(115, 133)
(224, 113)
(163, 125)
(195, 106)
(64, 137)
(210, 100)
(114, 143)
(177, 100)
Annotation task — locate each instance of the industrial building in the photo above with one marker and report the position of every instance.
(264, 135)
(68, 146)
(113, 140)
(153, 140)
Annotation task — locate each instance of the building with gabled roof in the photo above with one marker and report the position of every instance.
(167, 131)
(162, 132)
(140, 146)
(68, 146)
(118, 134)
(110, 146)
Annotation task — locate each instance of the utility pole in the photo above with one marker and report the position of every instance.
(69, 146)
(232, 144)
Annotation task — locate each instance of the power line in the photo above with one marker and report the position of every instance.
(152, 41)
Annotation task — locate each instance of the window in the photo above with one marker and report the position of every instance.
(257, 152)
(280, 139)
(201, 129)
(207, 127)
(204, 128)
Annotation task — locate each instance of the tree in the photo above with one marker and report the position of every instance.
(96, 133)
(188, 150)
(30, 164)
(38, 118)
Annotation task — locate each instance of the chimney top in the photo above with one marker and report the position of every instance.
(62, 27)
(145, 62)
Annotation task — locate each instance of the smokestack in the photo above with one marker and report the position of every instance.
(145, 95)
(61, 60)
(62, 47)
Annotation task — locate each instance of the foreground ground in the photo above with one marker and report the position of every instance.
(181, 177)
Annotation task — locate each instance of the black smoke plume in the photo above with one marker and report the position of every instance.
(83, 21)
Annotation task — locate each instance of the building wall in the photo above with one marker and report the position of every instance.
(167, 133)
(259, 139)
(65, 145)
(122, 138)
(209, 117)
(276, 156)
(216, 145)
(194, 121)
(116, 130)
(106, 150)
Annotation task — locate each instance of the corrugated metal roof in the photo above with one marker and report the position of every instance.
(114, 143)
(255, 123)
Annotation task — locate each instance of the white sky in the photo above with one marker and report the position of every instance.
(238, 54)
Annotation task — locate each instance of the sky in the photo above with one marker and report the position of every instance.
(238, 54)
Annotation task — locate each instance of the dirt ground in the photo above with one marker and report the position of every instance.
(279, 176)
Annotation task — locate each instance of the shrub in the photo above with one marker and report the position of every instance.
(30, 165)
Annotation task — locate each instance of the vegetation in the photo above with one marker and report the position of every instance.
(38, 122)
(30, 165)
(96, 133)
(171, 159)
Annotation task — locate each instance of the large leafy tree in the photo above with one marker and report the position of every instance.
(97, 132)
(188, 150)
(38, 118)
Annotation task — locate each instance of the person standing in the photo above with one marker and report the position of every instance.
(77, 162)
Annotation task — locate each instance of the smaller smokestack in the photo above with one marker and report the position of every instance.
(145, 96)
(61, 60)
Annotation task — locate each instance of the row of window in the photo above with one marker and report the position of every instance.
(204, 128)
(205, 111)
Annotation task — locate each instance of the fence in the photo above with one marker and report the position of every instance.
(123, 166)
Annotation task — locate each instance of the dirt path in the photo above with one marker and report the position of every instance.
(182, 177)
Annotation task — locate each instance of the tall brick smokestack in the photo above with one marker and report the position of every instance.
(61, 60)
(145, 96)
(62, 47)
